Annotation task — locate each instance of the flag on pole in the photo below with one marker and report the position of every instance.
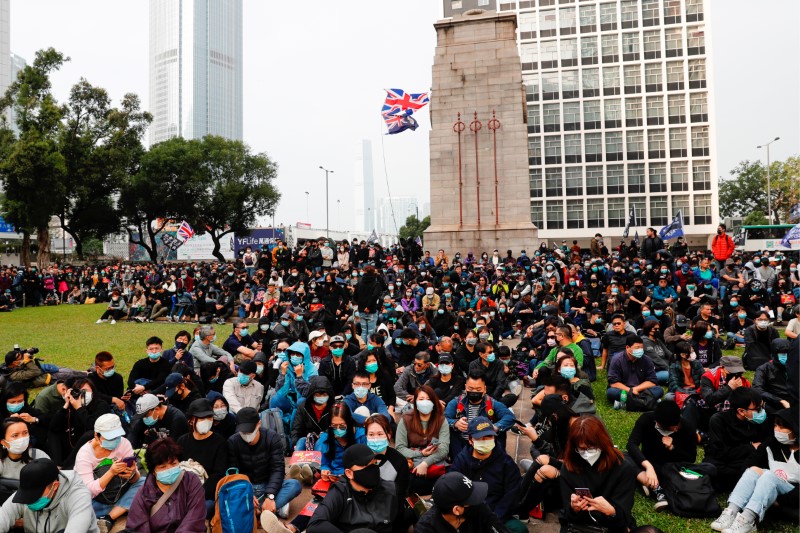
(674, 229)
(373, 237)
(171, 242)
(418, 240)
(792, 236)
(185, 231)
(636, 238)
(398, 108)
(795, 212)
(631, 221)
(738, 239)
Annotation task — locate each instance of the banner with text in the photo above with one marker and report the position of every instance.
(257, 239)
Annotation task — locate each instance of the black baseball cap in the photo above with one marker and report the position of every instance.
(455, 488)
(246, 420)
(33, 479)
(171, 383)
(358, 455)
(201, 408)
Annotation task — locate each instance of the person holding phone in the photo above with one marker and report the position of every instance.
(107, 467)
(597, 485)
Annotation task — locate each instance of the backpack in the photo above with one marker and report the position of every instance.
(234, 510)
(692, 497)
(273, 419)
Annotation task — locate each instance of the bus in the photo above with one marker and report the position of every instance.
(764, 238)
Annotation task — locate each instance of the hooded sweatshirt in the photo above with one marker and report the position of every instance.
(307, 419)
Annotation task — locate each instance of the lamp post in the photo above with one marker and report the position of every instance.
(326, 198)
(339, 213)
(769, 183)
(308, 221)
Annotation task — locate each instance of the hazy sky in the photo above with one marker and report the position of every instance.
(314, 74)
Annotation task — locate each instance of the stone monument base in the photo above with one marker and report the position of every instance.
(452, 239)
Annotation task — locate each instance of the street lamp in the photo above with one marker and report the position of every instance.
(769, 184)
(326, 197)
(308, 220)
(339, 213)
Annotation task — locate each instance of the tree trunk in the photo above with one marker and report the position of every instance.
(25, 250)
(43, 242)
(78, 248)
(140, 242)
(153, 251)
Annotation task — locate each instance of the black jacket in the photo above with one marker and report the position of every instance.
(496, 380)
(757, 346)
(479, 519)
(340, 376)
(730, 440)
(262, 462)
(304, 420)
(345, 509)
(772, 381)
(368, 293)
(645, 442)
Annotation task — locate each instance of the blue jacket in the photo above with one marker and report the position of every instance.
(335, 466)
(374, 403)
(503, 418)
(286, 384)
(500, 472)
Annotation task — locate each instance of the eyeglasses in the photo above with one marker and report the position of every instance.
(616, 323)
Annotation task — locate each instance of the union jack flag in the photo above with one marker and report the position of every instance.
(398, 100)
(400, 122)
(185, 231)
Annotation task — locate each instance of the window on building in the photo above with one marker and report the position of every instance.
(575, 213)
(616, 213)
(672, 11)
(630, 46)
(542, 3)
(636, 178)
(658, 211)
(589, 51)
(572, 116)
(633, 112)
(640, 203)
(455, 4)
(656, 144)
(649, 13)
(596, 212)
(593, 147)
(615, 179)
(657, 175)
(550, 86)
(698, 107)
(552, 153)
(629, 13)
(694, 10)
(677, 142)
(549, 55)
(569, 84)
(697, 73)
(530, 57)
(591, 114)
(535, 177)
(633, 79)
(679, 176)
(681, 203)
(614, 146)
(537, 214)
(594, 180)
(591, 82)
(527, 26)
(696, 41)
(652, 44)
(701, 176)
(534, 119)
(677, 108)
(567, 20)
(610, 48)
(610, 80)
(673, 41)
(652, 77)
(700, 141)
(702, 209)
(547, 23)
(572, 148)
(613, 113)
(588, 15)
(675, 76)
(555, 214)
(608, 16)
(634, 144)
(534, 150)
(532, 89)
(569, 52)
(553, 182)
(574, 181)
(552, 117)
(655, 110)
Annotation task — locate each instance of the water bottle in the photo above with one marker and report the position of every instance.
(623, 399)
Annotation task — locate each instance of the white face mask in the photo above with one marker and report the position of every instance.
(21, 444)
(319, 344)
(483, 447)
(664, 432)
(249, 437)
(203, 426)
(87, 398)
(220, 414)
(692, 356)
(591, 455)
(780, 436)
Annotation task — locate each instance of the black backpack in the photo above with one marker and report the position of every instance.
(688, 497)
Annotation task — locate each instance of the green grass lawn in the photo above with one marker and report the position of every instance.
(68, 336)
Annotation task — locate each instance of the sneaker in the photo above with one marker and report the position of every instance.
(169, 318)
(617, 405)
(741, 525)
(271, 524)
(295, 473)
(645, 490)
(99, 321)
(725, 520)
(113, 322)
(104, 524)
(308, 475)
(283, 512)
(661, 502)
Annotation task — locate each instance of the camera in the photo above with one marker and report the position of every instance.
(76, 393)
(29, 351)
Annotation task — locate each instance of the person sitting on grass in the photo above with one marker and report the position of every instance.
(772, 379)
(459, 505)
(149, 373)
(117, 309)
(341, 434)
(633, 372)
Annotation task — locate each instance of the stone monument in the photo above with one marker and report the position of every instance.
(480, 197)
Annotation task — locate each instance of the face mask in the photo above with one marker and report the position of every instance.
(244, 379)
(14, 407)
(645, 313)
(369, 477)
(298, 318)
(19, 446)
(425, 407)
(203, 426)
(692, 356)
(371, 367)
(109, 373)
(474, 396)
(169, 476)
(321, 400)
(244, 332)
(472, 342)
(591, 455)
(360, 392)
(490, 358)
(783, 438)
(664, 432)
(690, 287)
(742, 315)
(637, 354)
(154, 356)
(370, 347)
(709, 334)
(762, 324)
(265, 327)
(551, 342)
(296, 360)
(445, 369)
(39, 504)
(659, 312)
(734, 304)
(759, 417)
(483, 447)
(197, 338)
(87, 398)
(568, 372)
(378, 445)
(149, 421)
(249, 437)
(339, 432)
(110, 444)
(337, 352)
(782, 357)
(220, 414)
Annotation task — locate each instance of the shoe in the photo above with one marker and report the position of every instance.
(295, 472)
(104, 524)
(308, 475)
(741, 525)
(99, 321)
(661, 501)
(283, 512)
(271, 524)
(525, 465)
(617, 405)
(113, 322)
(725, 520)
(169, 318)
(645, 491)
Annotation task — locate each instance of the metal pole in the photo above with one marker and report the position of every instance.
(494, 125)
(458, 127)
(308, 221)
(327, 223)
(475, 126)
(769, 181)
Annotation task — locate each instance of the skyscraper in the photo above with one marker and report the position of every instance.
(404, 207)
(195, 68)
(620, 113)
(364, 188)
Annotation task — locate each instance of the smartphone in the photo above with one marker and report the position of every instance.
(586, 493)
(129, 461)
(520, 422)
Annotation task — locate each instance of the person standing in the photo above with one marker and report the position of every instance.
(722, 246)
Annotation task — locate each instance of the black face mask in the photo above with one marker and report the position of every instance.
(474, 397)
(180, 345)
(369, 477)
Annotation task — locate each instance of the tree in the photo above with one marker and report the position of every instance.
(414, 227)
(32, 168)
(756, 218)
(238, 187)
(101, 145)
(746, 192)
